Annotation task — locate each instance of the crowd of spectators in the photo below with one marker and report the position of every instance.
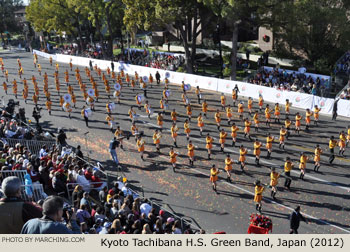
(99, 210)
(292, 81)
(64, 173)
(91, 51)
(159, 60)
(343, 65)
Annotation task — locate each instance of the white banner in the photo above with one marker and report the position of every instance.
(298, 100)
(344, 108)
(45, 55)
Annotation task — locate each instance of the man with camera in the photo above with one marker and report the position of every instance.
(113, 144)
(51, 222)
(36, 114)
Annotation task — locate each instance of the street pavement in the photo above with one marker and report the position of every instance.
(323, 196)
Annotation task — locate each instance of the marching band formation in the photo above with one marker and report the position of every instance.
(120, 79)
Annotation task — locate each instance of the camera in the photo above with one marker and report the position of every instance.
(67, 211)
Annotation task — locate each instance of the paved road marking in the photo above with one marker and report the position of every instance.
(347, 189)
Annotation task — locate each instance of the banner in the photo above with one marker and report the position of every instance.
(297, 100)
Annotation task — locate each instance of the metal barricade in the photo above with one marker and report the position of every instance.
(33, 192)
(183, 221)
(70, 188)
(33, 146)
(19, 173)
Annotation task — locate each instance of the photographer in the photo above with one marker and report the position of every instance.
(51, 223)
(36, 114)
(113, 144)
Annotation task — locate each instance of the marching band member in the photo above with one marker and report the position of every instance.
(198, 93)
(316, 114)
(268, 115)
(287, 107)
(308, 115)
(140, 146)
(148, 109)
(317, 158)
(256, 120)
(187, 129)
(261, 102)
(242, 152)
(302, 165)
(269, 140)
(247, 125)
(205, 108)
(283, 133)
(190, 153)
(217, 117)
(298, 118)
(160, 120)
(222, 139)
(341, 143)
(240, 110)
(277, 113)
(228, 167)
(173, 156)
(234, 130)
(250, 105)
(257, 151)
(288, 166)
(174, 129)
(48, 104)
(200, 123)
(259, 189)
(209, 144)
(110, 122)
(214, 176)
(189, 111)
(173, 115)
(223, 101)
(156, 140)
(229, 114)
(273, 182)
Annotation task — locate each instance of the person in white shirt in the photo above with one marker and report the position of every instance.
(81, 180)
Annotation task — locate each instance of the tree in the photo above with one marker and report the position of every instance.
(8, 22)
(182, 14)
(316, 31)
(56, 16)
(237, 12)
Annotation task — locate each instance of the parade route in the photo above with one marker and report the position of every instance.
(324, 196)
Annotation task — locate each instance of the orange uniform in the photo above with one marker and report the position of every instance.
(190, 150)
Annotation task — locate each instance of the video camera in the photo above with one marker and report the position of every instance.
(11, 106)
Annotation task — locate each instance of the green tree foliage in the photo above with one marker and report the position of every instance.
(236, 12)
(75, 17)
(7, 18)
(317, 31)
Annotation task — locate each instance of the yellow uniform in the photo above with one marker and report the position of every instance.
(258, 193)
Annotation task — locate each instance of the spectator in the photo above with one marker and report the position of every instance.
(177, 227)
(78, 152)
(13, 211)
(146, 229)
(50, 223)
(83, 215)
(85, 201)
(77, 195)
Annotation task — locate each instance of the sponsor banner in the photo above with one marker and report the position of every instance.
(45, 55)
(344, 108)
